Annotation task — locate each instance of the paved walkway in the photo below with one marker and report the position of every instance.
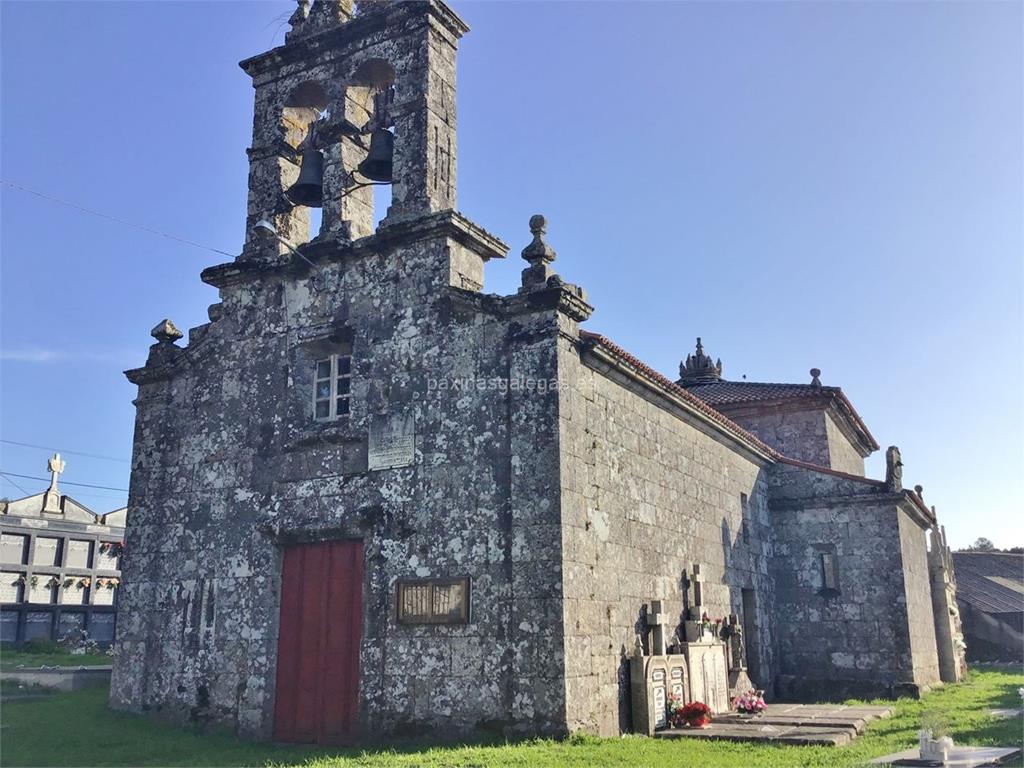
(798, 724)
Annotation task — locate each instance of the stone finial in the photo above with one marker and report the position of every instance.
(539, 275)
(538, 250)
(919, 490)
(815, 377)
(166, 332)
(893, 469)
(698, 368)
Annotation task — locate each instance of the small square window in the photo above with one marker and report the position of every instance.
(332, 387)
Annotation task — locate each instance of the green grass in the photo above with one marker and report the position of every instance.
(76, 729)
(10, 660)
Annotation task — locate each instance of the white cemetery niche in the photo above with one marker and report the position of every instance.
(42, 591)
(709, 679)
(46, 552)
(78, 554)
(102, 594)
(10, 587)
(13, 547)
(73, 594)
(105, 559)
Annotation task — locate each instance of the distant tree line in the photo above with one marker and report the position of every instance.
(982, 544)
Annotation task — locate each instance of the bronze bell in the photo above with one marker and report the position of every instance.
(308, 189)
(377, 165)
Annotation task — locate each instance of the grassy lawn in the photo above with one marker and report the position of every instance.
(76, 729)
(13, 659)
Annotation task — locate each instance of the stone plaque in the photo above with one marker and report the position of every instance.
(101, 627)
(392, 442)
(47, 551)
(10, 587)
(69, 622)
(433, 601)
(13, 547)
(73, 594)
(38, 624)
(677, 683)
(660, 698)
(78, 553)
(8, 626)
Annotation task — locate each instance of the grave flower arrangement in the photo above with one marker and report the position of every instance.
(696, 714)
(750, 703)
(675, 712)
(112, 548)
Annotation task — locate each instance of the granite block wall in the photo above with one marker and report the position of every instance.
(868, 633)
(646, 493)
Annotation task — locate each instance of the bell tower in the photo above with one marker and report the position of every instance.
(355, 97)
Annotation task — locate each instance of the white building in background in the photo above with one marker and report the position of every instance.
(60, 566)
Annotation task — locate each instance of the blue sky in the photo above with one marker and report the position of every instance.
(832, 185)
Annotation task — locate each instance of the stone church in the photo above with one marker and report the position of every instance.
(368, 498)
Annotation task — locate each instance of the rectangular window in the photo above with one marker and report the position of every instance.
(829, 574)
(332, 387)
(744, 526)
(433, 601)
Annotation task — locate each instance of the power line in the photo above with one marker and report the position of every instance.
(65, 482)
(114, 218)
(15, 484)
(69, 453)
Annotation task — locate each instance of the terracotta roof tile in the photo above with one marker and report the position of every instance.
(992, 582)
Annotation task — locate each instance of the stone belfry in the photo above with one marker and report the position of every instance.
(342, 74)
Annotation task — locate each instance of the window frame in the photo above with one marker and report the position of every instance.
(334, 377)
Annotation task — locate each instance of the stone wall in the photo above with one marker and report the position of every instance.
(797, 433)
(647, 492)
(920, 617)
(229, 466)
(842, 456)
(868, 635)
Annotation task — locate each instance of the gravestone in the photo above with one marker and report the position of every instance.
(69, 622)
(709, 681)
(101, 627)
(8, 626)
(655, 677)
(38, 624)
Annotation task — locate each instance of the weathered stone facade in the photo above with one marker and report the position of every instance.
(567, 481)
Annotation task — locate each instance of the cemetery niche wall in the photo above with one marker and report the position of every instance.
(59, 566)
(468, 497)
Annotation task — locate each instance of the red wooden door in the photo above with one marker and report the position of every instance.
(318, 642)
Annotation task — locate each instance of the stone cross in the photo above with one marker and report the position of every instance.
(51, 499)
(697, 580)
(658, 623)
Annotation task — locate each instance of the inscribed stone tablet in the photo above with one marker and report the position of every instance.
(38, 624)
(8, 626)
(47, 551)
(392, 442)
(78, 553)
(12, 548)
(101, 627)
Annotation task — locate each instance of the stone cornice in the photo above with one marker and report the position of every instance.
(354, 33)
(388, 237)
